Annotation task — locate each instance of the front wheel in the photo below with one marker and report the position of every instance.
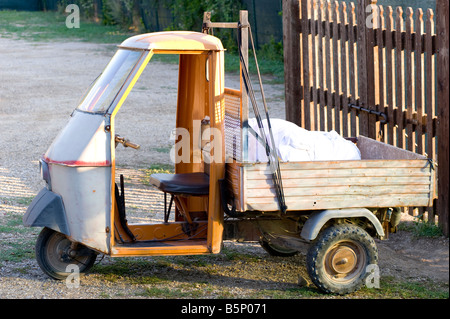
(55, 252)
(337, 261)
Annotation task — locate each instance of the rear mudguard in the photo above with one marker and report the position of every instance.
(47, 210)
(316, 221)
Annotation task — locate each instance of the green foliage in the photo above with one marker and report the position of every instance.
(86, 7)
(421, 228)
(189, 16)
(272, 51)
(118, 12)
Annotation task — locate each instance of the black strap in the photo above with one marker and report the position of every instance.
(270, 148)
(120, 198)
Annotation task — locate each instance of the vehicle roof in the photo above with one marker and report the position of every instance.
(173, 41)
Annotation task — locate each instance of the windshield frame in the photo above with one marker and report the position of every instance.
(120, 71)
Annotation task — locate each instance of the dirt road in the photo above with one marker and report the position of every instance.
(40, 86)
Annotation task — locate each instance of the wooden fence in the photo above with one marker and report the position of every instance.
(363, 69)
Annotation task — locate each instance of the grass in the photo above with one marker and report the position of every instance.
(190, 277)
(421, 228)
(155, 169)
(16, 244)
(46, 26)
(50, 26)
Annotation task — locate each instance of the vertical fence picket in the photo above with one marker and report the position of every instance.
(381, 70)
(321, 48)
(306, 49)
(420, 93)
(430, 92)
(390, 77)
(430, 80)
(353, 68)
(329, 61)
(400, 77)
(409, 58)
(314, 40)
(336, 66)
(344, 69)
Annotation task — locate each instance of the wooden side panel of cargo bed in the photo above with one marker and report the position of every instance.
(340, 184)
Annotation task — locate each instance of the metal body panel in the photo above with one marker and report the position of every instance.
(317, 219)
(79, 162)
(174, 41)
(86, 193)
(47, 210)
(82, 142)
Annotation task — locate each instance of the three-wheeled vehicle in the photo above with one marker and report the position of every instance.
(333, 207)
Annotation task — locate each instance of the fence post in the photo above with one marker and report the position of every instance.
(442, 32)
(366, 74)
(292, 60)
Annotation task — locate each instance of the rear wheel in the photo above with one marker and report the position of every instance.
(54, 252)
(337, 261)
(277, 250)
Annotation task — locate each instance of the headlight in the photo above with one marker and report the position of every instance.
(45, 172)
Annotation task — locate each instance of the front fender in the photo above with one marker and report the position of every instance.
(316, 221)
(47, 210)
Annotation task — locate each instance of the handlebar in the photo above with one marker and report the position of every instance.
(126, 143)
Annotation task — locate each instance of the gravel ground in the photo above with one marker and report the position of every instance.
(39, 88)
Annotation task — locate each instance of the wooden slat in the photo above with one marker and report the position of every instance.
(400, 78)
(343, 172)
(343, 190)
(381, 103)
(322, 65)
(314, 45)
(390, 77)
(353, 70)
(420, 80)
(328, 66)
(306, 49)
(344, 70)
(430, 80)
(373, 74)
(337, 67)
(341, 181)
(336, 202)
(409, 57)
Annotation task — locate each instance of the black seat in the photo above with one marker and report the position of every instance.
(190, 184)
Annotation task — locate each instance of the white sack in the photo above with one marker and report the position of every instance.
(296, 144)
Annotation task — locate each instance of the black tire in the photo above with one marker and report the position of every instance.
(54, 254)
(276, 250)
(337, 260)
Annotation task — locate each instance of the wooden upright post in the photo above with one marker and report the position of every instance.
(243, 19)
(366, 74)
(292, 60)
(442, 32)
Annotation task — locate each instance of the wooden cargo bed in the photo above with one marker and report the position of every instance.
(386, 176)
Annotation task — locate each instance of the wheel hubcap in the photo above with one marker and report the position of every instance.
(60, 253)
(345, 261)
